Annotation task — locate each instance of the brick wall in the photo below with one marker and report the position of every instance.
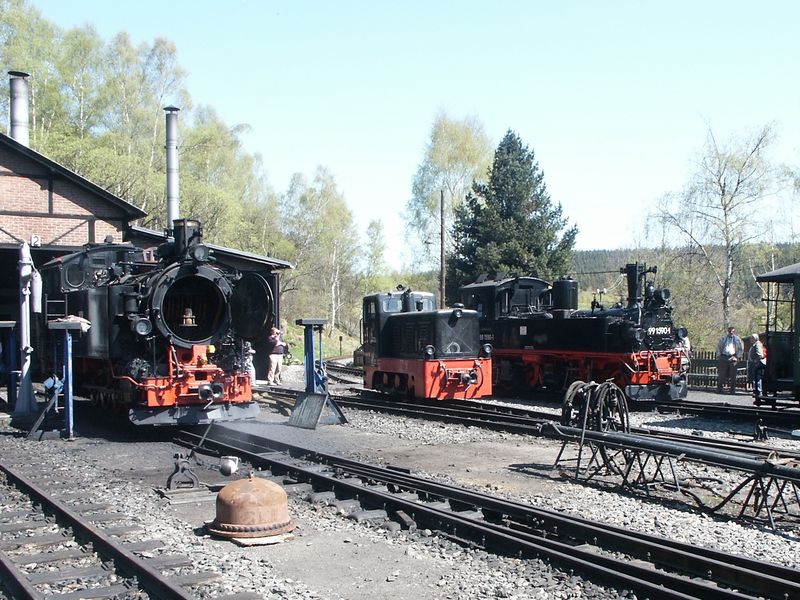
(34, 201)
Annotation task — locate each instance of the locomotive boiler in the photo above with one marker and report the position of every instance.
(411, 348)
(542, 341)
(170, 335)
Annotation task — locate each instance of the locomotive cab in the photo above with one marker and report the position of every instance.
(376, 310)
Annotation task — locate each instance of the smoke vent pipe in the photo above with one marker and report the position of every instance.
(19, 107)
(173, 206)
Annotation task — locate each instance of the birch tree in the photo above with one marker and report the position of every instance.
(458, 152)
(717, 215)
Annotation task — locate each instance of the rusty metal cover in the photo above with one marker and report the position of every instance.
(251, 507)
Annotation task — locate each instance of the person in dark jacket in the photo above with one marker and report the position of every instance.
(276, 348)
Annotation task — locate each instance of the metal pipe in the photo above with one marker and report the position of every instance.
(442, 240)
(25, 402)
(173, 202)
(19, 107)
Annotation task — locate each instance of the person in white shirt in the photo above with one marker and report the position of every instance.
(729, 353)
(757, 359)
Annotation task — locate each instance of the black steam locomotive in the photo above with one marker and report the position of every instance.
(541, 339)
(169, 335)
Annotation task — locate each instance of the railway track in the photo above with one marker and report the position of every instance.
(55, 542)
(778, 416)
(650, 566)
(521, 421)
(785, 416)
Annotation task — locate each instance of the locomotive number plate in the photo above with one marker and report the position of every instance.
(664, 330)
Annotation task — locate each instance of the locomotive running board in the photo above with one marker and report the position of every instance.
(194, 415)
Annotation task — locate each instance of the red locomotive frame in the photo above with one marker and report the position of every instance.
(436, 379)
(646, 368)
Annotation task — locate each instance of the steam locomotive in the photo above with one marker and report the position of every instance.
(170, 337)
(411, 348)
(542, 341)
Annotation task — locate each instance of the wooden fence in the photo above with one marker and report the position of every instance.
(703, 371)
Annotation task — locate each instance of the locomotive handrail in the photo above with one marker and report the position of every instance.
(148, 386)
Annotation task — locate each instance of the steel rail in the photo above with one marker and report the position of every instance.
(15, 582)
(520, 535)
(150, 579)
(724, 409)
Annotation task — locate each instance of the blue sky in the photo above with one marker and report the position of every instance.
(615, 98)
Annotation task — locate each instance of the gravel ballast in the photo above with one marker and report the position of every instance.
(334, 557)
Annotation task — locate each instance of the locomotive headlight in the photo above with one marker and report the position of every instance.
(662, 294)
(429, 351)
(201, 253)
(486, 350)
(217, 390)
(141, 326)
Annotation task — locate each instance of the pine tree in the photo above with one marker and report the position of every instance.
(510, 225)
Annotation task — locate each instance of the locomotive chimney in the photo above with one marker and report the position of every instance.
(173, 207)
(19, 107)
(634, 272)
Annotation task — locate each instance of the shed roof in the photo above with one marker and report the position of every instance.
(132, 212)
(783, 275)
(230, 255)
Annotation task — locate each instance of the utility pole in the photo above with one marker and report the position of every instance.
(441, 250)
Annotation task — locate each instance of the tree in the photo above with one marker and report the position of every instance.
(510, 224)
(325, 249)
(374, 263)
(714, 217)
(458, 152)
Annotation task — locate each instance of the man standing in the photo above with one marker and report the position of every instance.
(729, 353)
(277, 348)
(757, 360)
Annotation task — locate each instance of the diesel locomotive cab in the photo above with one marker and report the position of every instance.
(376, 310)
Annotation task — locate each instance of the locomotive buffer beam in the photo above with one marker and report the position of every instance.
(194, 415)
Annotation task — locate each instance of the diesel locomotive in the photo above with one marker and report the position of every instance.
(411, 348)
(542, 341)
(169, 337)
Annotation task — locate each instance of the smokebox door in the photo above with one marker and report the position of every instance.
(251, 307)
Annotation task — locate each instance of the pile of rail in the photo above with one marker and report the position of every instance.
(595, 417)
(651, 566)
